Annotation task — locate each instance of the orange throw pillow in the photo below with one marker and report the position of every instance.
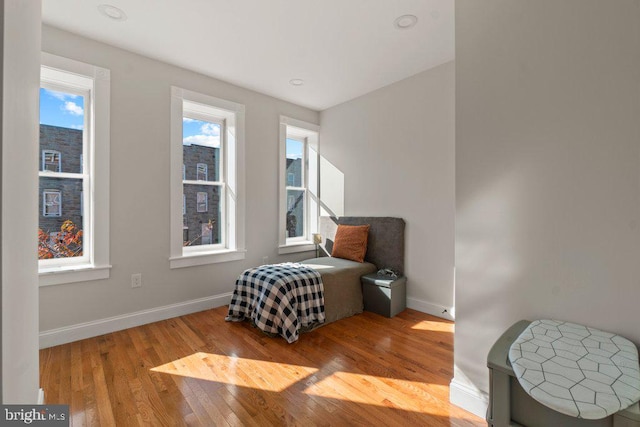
(351, 242)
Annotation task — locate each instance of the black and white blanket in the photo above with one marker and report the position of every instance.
(279, 299)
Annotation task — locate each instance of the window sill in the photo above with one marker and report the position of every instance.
(206, 258)
(291, 248)
(77, 273)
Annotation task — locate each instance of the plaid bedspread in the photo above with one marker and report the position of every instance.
(279, 299)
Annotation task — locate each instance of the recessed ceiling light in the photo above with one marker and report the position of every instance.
(405, 22)
(296, 82)
(112, 12)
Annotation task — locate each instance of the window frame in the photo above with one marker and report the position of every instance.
(304, 179)
(92, 82)
(68, 83)
(231, 116)
(195, 112)
(309, 135)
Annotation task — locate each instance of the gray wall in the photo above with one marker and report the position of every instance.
(395, 150)
(140, 130)
(20, 84)
(547, 169)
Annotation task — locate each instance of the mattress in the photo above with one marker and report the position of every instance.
(342, 287)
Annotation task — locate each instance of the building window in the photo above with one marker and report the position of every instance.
(51, 161)
(52, 203)
(74, 140)
(207, 232)
(299, 184)
(208, 138)
(202, 202)
(202, 172)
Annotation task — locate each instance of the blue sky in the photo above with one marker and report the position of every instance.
(61, 109)
(66, 110)
(294, 149)
(200, 133)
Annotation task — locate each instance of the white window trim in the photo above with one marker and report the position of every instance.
(69, 72)
(311, 134)
(234, 185)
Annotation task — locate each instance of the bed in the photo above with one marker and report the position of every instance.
(278, 303)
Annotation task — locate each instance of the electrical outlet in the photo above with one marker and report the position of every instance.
(265, 260)
(136, 280)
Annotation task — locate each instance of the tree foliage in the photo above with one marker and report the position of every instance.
(65, 243)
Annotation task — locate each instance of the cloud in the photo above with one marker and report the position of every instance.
(78, 127)
(209, 135)
(187, 120)
(210, 129)
(206, 140)
(73, 108)
(60, 95)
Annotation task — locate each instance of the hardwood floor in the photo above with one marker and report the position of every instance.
(200, 370)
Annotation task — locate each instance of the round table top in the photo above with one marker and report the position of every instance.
(576, 370)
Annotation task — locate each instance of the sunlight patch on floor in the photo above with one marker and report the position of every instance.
(430, 325)
(381, 391)
(237, 371)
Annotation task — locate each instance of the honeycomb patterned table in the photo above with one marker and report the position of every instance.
(576, 370)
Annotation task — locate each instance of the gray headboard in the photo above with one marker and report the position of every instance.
(385, 247)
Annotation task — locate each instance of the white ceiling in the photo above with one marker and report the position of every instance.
(340, 48)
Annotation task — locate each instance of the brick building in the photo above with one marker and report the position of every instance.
(295, 199)
(60, 198)
(201, 203)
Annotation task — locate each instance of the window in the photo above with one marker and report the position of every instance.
(207, 139)
(299, 185)
(52, 202)
(202, 171)
(51, 160)
(73, 242)
(296, 187)
(202, 202)
(207, 231)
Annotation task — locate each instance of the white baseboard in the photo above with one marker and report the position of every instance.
(95, 328)
(41, 397)
(468, 398)
(430, 308)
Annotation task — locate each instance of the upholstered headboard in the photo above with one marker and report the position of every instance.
(385, 247)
